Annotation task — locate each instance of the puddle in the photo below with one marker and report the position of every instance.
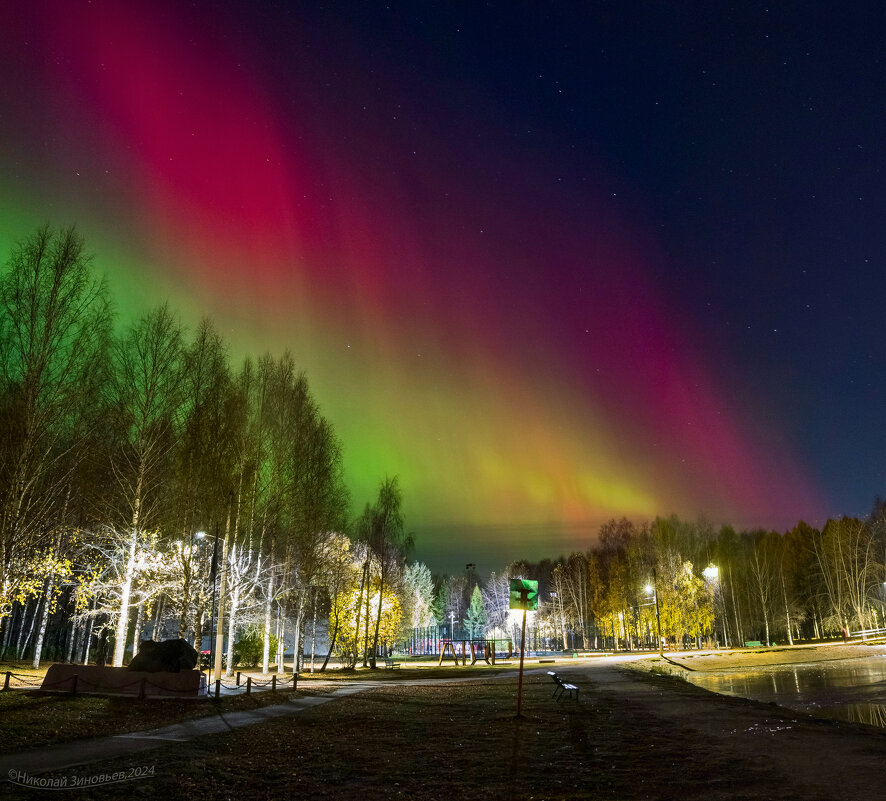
(847, 689)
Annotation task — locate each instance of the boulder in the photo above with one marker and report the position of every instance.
(169, 656)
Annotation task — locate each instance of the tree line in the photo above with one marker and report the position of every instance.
(145, 480)
(142, 474)
(699, 585)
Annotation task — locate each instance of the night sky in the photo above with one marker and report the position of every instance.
(548, 263)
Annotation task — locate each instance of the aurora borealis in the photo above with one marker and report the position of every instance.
(485, 300)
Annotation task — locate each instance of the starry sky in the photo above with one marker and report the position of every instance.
(547, 263)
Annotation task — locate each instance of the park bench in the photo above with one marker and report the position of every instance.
(390, 663)
(753, 644)
(563, 688)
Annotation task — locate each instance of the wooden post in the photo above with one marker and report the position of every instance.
(274, 683)
(6, 680)
(522, 652)
(74, 684)
(217, 688)
(248, 684)
(238, 678)
(142, 687)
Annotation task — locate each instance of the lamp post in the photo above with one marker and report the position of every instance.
(220, 629)
(712, 575)
(212, 575)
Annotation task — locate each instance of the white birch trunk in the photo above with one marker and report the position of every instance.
(314, 631)
(281, 639)
(266, 647)
(232, 623)
(41, 633)
(125, 595)
(136, 635)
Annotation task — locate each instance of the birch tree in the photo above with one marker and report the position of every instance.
(55, 322)
(147, 396)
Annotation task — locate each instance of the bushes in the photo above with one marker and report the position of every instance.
(248, 649)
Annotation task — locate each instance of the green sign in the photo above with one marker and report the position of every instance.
(524, 594)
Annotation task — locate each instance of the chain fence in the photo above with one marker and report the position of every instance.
(77, 683)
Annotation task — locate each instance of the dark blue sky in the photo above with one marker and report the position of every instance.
(750, 142)
(638, 244)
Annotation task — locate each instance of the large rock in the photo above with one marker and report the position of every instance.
(169, 656)
(97, 680)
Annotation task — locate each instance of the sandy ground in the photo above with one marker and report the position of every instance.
(742, 659)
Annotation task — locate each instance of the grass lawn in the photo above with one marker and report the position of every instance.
(428, 742)
(31, 719)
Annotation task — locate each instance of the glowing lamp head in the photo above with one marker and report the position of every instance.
(711, 573)
(648, 588)
(200, 535)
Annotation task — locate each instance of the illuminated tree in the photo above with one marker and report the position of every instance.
(346, 611)
(845, 553)
(475, 622)
(146, 402)
(764, 561)
(497, 600)
(417, 597)
(389, 545)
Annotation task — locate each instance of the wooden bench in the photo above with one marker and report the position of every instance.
(390, 663)
(563, 688)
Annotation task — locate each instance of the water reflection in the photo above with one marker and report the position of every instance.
(848, 689)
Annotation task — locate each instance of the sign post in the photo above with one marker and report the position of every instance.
(524, 595)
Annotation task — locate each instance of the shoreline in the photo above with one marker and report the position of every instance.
(736, 659)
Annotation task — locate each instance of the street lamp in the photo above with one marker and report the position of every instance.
(214, 648)
(651, 590)
(201, 535)
(712, 575)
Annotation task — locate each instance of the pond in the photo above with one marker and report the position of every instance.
(848, 689)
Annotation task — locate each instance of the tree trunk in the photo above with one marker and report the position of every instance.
(787, 611)
(298, 649)
(7, 634)
(157, 625)
(126, 593)
(232, 629)
(281, 640)
(381, 595)
(314, 630)
(198, 628)
(331, 646)
(739, 634)
(139, 621)
(363, 583)
(183, 617)
(23, 643)
(266, 646)
(72, 641)
(41, 634)
(84, 655)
